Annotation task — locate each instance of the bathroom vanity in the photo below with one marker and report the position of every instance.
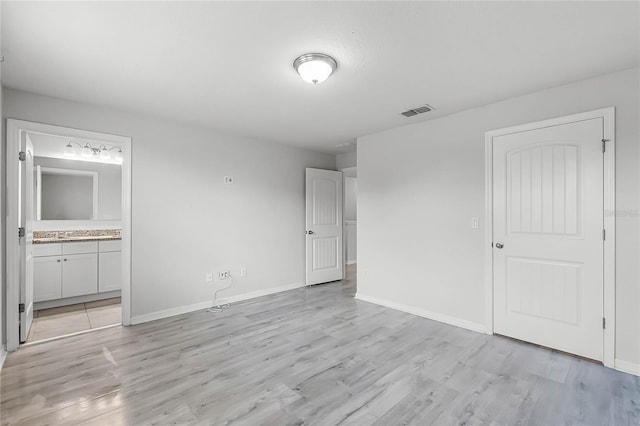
(76, 266)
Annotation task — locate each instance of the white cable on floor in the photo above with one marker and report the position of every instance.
(219, 308)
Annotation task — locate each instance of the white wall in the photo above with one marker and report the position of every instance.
(186, 222)
(346, 159)
(419, 186)
(350, 198)
(350, 218)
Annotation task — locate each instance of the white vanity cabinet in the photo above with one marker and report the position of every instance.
(47, 272)
(110, 266)
(79, 274)
(47, 278)
(70, 269)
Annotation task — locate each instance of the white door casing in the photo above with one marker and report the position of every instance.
(27, 213)
(324, 245)
(15, 128)
(552, 281)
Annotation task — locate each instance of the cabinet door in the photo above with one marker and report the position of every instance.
(47, 278)
(79, 274)
(110, 271)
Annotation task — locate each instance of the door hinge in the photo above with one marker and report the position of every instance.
(604, 323)
(604, 234)
(22, 156)
(604, 145)
(20, 232)
(20, 308)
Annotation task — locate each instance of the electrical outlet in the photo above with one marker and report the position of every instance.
(209, 277)
(475, 223)
(243, 272)
(228, 180)
(224, 275)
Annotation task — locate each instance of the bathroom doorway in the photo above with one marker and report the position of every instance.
(69, 198)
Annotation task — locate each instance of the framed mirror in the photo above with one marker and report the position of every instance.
(66, 194)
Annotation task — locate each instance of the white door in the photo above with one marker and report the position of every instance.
(27, 195)
(324, 226)
(548, 236)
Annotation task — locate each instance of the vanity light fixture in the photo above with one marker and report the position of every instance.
(88, 151)
(315, 68)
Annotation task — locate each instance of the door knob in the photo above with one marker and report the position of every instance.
(309, 232)
(499, 245)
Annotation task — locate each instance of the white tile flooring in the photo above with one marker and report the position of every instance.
(54, 322)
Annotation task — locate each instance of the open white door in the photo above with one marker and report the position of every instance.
(27, 195)
(548, 234)
(324, 226)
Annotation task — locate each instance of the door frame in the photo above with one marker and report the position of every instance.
(14, 129)
(609, 308)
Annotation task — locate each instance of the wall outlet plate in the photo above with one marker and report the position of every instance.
(475, 223)
(224, 275)
(228, 180)
(243, 272)
(209, 277)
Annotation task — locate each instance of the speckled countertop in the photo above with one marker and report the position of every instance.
(49, 237)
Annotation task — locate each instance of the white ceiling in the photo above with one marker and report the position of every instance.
(228, 65)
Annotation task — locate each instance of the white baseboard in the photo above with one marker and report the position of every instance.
(3, 356)
(260, 293)
(469, 325)
(627, 367)
(152, 316)
(139, 319)
(351, 262)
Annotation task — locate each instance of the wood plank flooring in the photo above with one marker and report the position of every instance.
(308, 356)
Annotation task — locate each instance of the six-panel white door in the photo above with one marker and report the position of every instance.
(548, 236)
(324, 226)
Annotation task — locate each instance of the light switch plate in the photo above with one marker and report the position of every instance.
(228, 180)
(475, 224)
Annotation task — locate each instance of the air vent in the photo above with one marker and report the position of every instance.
(419, 110)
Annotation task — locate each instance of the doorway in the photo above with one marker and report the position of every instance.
(549, 258)
(69, 200)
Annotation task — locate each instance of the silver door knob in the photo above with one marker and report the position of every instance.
(499, 245)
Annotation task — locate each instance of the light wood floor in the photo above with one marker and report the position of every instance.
(54, 322)
(307, 356)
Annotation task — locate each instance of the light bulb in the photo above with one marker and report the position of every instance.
(104, 153)
(86, 151)
(69, 150)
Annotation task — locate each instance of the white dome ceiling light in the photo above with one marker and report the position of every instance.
(315, 68)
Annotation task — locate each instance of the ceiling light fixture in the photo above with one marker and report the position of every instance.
(315, 68)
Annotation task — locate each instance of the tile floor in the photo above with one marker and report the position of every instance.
(68, 319)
